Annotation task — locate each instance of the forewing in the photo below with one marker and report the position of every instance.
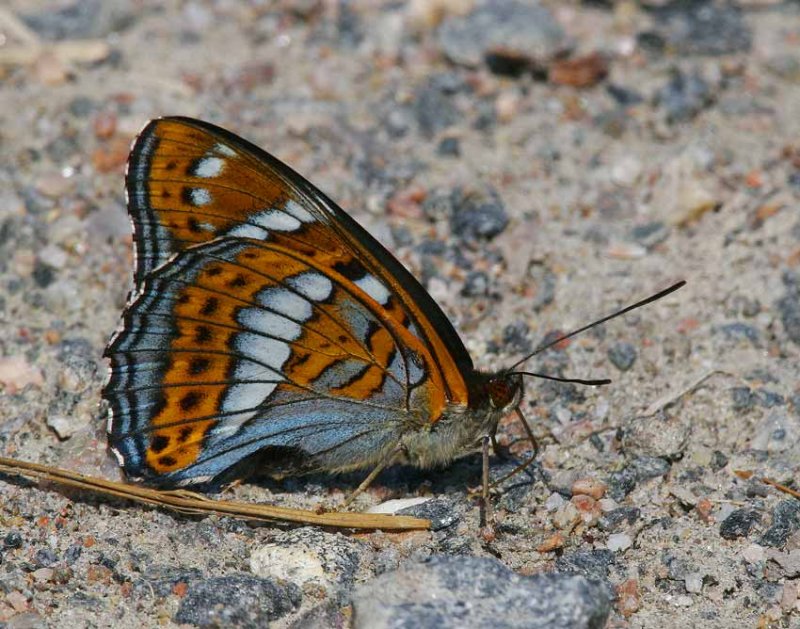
(189, 181)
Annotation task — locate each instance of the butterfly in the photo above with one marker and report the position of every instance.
(267, 329)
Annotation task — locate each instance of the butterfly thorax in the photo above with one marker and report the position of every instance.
(492, 396)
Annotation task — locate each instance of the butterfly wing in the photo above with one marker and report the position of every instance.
(264, 320)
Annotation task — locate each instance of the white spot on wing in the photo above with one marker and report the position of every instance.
(200, 196)
(315, 286)
(298, 211)
(209, 167)
(247, 396)
(286, 303)
(248, 231)
(259, 320)
(374, 288)
(269, 352)
(224, 149)
(274, 219)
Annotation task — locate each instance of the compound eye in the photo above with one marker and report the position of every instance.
(501, 392)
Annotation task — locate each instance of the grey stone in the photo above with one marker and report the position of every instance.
(466, 592)
(477, 213)
(684, 96)
(476, 284)
(309, 556)
(702, 27)
(237, 600)
(739, 523)
(526, 32)
(442, 513)
(618, 517)
(622, 355)
(785, 521)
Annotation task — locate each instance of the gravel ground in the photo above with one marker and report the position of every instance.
(537, 166)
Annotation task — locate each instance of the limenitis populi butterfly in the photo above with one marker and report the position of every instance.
(266, 327)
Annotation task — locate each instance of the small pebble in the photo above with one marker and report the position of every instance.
(694, 583)
(566, 517)
(753, 553)
(17, 373)
(626, 171)
(239, 600)
(785, 521)
(619, 542)
(590, 487)
(588, 508)
(622, 356)
(628, 598)
(554, 501)
(477, 214)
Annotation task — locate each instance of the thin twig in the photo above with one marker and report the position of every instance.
(189, 502)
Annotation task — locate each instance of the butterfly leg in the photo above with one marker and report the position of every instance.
(499, 451)
(486, 503)
(527, 462)
(396, 454)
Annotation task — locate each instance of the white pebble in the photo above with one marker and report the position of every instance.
(619, 542)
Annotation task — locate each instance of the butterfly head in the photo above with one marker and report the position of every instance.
(504, 391)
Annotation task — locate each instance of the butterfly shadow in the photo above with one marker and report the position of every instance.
(454, 481)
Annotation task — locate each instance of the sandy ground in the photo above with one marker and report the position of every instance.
(673, 154)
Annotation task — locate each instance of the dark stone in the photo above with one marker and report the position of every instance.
(440, 512)
(739, 332)
(789, 309)
(81, 106)
(623, 482)
(434, 108)
(622, 355)
(650, 234)
(477, 214)
(590, 563)
(718, 460)
(43, 274)
(82, 19)
(72, 554)
(438, 205)
(647, 467)
(618, 517)
(516, 337)
(12, 540)
(624, 96)
(476, 284)
(237, 600)
(651, 42)
(45, 557)
(449, 147)
(739, 523)
(702, 27)
(455, 592)
(769, 399)
(785, 521)
(743, 399)
(684, 96)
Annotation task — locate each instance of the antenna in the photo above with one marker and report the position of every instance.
(564, 337)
